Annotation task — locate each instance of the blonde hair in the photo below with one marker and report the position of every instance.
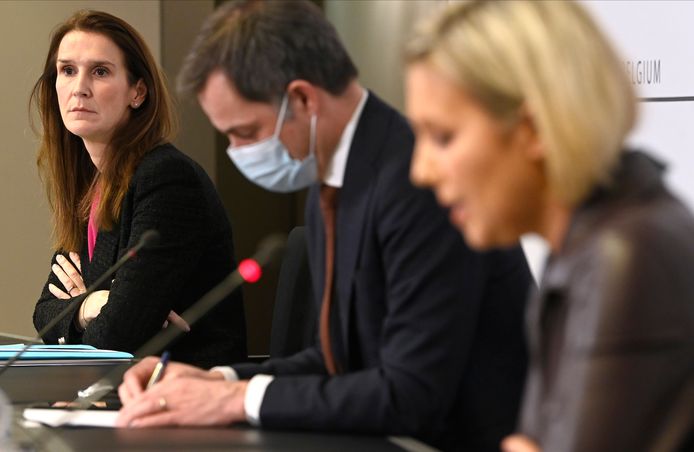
(550, 59)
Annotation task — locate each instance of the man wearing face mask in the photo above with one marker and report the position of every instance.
(268, 162)
(418, 335)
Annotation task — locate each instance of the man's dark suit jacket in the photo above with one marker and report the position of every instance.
(170, 193)
(429, 333)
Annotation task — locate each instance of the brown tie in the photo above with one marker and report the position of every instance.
(328, 203)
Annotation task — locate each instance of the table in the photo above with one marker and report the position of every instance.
(199, 440)
(26, 385)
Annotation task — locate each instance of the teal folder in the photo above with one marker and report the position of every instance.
(61, 352)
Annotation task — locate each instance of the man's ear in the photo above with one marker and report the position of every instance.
(303, 98)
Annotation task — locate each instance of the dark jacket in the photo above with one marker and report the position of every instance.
(172, 194)
(612, 329)
(429, 332)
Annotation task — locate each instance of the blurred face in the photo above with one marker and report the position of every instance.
(94, 94)
(245, 122)
(489, 174)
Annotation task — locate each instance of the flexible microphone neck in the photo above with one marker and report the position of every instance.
(148, 238)
(248, 270)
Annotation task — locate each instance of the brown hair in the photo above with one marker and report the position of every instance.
(69, 176)
(262, 46)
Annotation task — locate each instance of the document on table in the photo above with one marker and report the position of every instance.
(56, 417)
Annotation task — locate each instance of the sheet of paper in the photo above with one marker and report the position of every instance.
(56, 417)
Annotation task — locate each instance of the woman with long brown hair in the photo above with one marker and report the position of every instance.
(110, 175)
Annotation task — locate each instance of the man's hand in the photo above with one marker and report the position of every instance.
(186, 401)
(519, 443)
(136, 378)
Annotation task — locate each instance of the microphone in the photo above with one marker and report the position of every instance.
(147, 239)
(248, 270)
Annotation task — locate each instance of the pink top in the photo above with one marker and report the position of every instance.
(92, 228)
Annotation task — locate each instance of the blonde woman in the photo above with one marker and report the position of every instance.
(521, 110)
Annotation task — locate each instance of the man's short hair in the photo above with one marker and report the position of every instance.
(263, 46)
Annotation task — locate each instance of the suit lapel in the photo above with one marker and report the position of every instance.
(353, 204)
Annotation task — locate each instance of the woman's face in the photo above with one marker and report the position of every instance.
(94, 94)
(488, 173)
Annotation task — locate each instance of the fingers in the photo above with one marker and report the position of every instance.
(62, 276)
(75, 258)
(519, 443)
(57, 292)
(128, 392)
(69, 270)
(178, 321)
(146, 417)
(75, 271)
(156, 419)
(68, 275)
(135, 379)
(146, 411)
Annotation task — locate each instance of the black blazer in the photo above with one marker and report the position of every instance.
(429, 333)
(169, 192)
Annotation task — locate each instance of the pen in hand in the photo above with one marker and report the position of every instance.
(159, 369)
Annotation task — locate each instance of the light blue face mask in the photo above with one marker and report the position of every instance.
(267, 163)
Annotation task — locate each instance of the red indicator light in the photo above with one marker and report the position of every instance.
(249, 270)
